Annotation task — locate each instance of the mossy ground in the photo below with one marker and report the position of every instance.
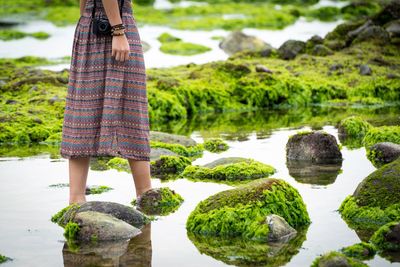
(241, 212)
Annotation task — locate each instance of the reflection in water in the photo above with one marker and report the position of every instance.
(316, 174)
(136, 252)
(238, 252)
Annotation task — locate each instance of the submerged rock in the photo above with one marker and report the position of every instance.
(336, 259)
(99, 226)
(317, 147)
(361, 251)
(291, 48)
(237, 41)
(158, 201)
(242, 211)
(383, 153)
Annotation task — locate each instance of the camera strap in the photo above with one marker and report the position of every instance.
(120, 8)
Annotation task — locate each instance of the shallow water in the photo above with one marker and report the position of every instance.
(27, 203)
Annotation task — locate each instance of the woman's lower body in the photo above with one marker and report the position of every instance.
(106, 112)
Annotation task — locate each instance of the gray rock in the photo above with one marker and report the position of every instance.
(11, 102)
(103, 227)
(145, 46)
(223, 161)
(334, 261)
(314, 147)
(392, 76)
(237, 41)
(279, 229)
(157, 152)
(262, 68)
(385, 152)
(171, 138)
(119, 211)
(321, 50)
(365, 70)
(375, 33)
(291, 48)
(315, 39)
(393, 28)
(354, 33)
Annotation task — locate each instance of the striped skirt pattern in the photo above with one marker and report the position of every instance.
(106, 111)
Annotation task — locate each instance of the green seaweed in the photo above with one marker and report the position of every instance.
(56, 218)
(71, 230)
(190, 151)
(361, 251)
(382, 134)
(215, 145)
(379, 238)
(8, 34)
(98, 189)
(366, 217)
(241, 212)
(233, 172)
(167, 165)
(355, 127)
(119, 164)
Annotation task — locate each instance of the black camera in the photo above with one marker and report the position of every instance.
(101, 26)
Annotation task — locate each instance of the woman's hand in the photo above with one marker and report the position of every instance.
(120, 47)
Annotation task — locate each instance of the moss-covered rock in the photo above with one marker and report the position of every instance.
(170, 138)
(334, 258)
(8, 34)
(352, 130)
(169, 165)
(186, 151)
(174, 45)
(381, 188)
(241, 212)
(361, 251)
(238, 41)
(119, 164)
(376, 201)
(246, 170)
(158, 201)
(291, 48)
(383, 153)
(215, 145)
(387, 237)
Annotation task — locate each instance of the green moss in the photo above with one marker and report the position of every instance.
(183, 48)
(3, 258)
(98, 189)
(327, 13)
(379, 237)
(160, 201)
(169, 165)
(233, 172)
(382, 134)
(241, 212)
(361, 251)
(336, 258)
(56, 218)
(8, 34)
(166, 37)
(190, 151)
(354, 127)
(215, 145)
(71, 230)
(119, 164)
(366, 217)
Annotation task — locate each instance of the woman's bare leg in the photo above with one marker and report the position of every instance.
(78, 172)
(141, 175)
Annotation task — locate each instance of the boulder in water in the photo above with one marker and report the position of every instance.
(237, 41)
(383, 153)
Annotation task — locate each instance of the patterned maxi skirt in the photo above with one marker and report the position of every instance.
(106, 112)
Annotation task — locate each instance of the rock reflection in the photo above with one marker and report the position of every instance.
(136, 252)
(315, 174)
(238, 252)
